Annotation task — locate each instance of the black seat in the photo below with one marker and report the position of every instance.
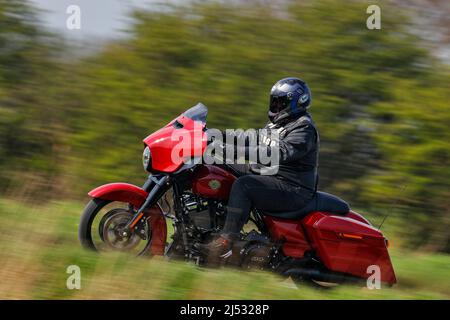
(321, 201)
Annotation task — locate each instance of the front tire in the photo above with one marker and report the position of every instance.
(103, 235)
(85, 228)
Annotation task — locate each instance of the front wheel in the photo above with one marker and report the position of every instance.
(101, 223)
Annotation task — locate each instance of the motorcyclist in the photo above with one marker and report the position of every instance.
(295, 180)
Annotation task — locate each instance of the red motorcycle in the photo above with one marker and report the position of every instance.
(323, 242)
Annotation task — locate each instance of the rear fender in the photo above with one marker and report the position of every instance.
(125, 192)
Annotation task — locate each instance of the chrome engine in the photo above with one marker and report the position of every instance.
(203, 213)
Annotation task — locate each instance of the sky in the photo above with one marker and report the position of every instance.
(105, 19)
(99, 18)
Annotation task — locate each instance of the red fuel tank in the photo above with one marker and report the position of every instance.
(212, 182)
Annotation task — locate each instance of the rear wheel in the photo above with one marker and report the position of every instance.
(101, 224)
(330, 283)
(316, 284)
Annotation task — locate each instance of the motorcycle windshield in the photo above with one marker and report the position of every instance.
(197, 113)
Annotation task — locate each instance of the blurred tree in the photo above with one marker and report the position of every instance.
(27, 114)
(379, 99)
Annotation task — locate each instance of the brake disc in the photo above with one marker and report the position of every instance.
(110, 230)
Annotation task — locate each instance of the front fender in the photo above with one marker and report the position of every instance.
(120, 191)
(129, 193)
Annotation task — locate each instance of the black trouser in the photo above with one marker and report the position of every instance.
(262, 192)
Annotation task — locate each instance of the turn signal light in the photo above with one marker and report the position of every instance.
(350, 236)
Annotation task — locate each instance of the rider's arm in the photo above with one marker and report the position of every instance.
(297, 143)
(291, 147)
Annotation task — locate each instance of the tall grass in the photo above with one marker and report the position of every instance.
(38, 243)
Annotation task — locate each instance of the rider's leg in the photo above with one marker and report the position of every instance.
(263, 192)
(241, 169)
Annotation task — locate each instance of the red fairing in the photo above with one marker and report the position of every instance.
(291, 233)
(180, 140)
(349, 246)
(212, 182)
(128, 193)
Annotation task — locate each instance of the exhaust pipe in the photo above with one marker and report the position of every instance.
(317, 275)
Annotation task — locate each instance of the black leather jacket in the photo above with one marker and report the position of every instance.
(298, 146)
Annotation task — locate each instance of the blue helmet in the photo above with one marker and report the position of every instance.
(289, 97)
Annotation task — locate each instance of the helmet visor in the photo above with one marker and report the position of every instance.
(278, 104)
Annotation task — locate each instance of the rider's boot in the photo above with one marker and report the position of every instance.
(218, 250)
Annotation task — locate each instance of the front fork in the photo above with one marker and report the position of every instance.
(155, 185)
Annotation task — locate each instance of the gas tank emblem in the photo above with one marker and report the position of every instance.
(214, 184)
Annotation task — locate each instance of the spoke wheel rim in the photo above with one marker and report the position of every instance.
(110, 229)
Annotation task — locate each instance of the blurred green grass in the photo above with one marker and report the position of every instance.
(37, 243)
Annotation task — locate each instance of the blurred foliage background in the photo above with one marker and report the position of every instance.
(380, 100)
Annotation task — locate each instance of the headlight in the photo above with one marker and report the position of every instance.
(146, 157)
